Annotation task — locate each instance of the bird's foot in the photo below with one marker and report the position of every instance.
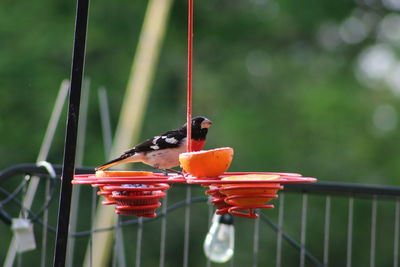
(174, 171)
(168, 171)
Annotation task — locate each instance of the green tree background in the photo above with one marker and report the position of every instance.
(297, 86)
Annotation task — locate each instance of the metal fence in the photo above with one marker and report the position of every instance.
(321, 224)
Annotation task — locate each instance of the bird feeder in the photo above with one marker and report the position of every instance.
(237, 193)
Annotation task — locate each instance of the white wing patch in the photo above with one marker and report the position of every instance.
(171, 140)
(155, 139)
(155, 147)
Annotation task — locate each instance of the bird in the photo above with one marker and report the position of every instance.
(162, 151)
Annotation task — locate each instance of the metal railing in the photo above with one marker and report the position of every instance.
(320, 224)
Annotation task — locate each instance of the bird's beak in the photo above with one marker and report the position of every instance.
(206, 124)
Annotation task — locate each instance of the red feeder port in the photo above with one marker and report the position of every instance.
(239, 211)
(137, 199)
(140, 211)
(218, 200)
(221, 206)
(106, 194)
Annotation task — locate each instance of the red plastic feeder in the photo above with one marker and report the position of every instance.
(237, 193)
(133, 193)
(241, 193)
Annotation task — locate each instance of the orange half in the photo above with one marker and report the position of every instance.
(252, 177)
(207, 163)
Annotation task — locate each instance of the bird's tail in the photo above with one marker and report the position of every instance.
(123, 159)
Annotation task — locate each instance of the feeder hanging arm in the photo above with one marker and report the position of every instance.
(189, 76)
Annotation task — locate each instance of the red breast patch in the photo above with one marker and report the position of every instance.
(197, 145)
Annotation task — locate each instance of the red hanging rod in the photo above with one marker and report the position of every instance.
(189, 76)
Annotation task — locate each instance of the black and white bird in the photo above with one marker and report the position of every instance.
(162, 151)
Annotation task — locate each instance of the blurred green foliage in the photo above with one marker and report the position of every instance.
(290, 85)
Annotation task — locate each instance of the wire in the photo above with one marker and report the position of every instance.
(47, 202)
(35, 216)
(21, 206)
(12, 195)
(298, 246)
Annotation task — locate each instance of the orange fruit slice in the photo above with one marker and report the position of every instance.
(123, 173)
(207, 163)
(252, 177)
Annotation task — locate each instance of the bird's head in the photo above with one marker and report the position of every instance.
(200, 127)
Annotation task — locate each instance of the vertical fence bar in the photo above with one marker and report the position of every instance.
(163, 231)
(115, 252)
(19, 260)
(396, 234)
(210, 215)
(373, 232)
(256, 242)
(117, 259)
(349, 232)
(303, 230)
(187, 227)
(232, 262)
(105, 121)
(139, 241)
(92, 226)
(45, 224)
(72, 129)
(326, 230)
(280, 226)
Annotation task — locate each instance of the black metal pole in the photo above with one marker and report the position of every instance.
(78, 60)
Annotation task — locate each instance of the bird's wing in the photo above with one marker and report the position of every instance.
(170, 139)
